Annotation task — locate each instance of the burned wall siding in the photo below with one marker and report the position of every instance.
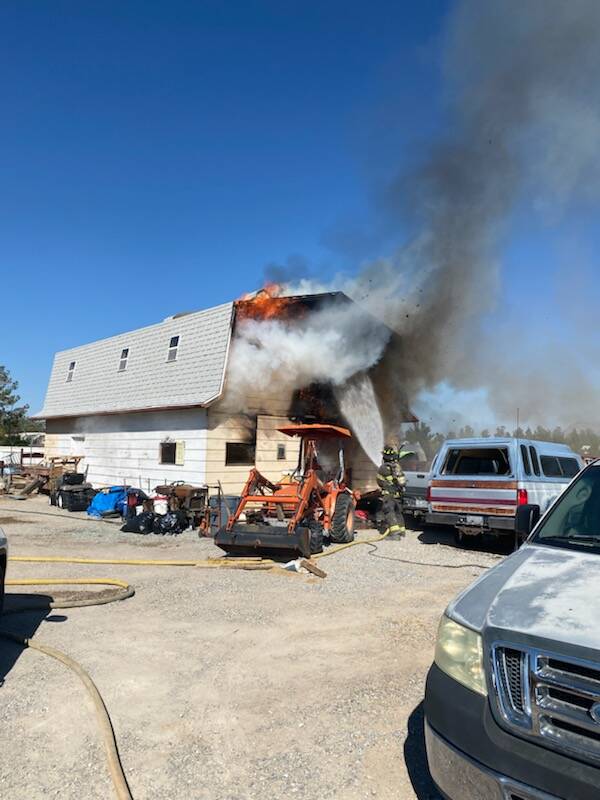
(259, 433)
(224, 427)
(125, 448)
(271, 445)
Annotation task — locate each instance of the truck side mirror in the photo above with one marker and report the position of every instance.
(526, 519)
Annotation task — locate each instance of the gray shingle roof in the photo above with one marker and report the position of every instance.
(149, 381)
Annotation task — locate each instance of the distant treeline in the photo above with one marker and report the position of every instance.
(581, 440)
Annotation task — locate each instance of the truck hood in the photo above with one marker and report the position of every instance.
(538, 593)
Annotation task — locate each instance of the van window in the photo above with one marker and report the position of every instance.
(477, 461)
(551, 466)
(559, 467)
(534, 460)
(525, 457)
(569, 466)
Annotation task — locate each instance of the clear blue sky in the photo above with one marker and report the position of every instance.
(156, 156)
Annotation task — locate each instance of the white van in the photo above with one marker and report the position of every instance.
(476, 485)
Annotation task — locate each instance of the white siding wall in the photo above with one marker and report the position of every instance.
(125, 448)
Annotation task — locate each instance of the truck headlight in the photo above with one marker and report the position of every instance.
(459, 653)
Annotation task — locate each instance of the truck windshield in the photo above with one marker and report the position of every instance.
(574, 521)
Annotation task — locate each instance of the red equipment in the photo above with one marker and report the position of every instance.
(294, 514)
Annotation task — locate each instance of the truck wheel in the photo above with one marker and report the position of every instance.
(467, 542)
(316, 538)
(59, 500)
(342, 522)
(411, 522)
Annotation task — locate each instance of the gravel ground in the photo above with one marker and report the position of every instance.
(225, 685)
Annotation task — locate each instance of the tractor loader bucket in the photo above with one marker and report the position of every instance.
(268, 539)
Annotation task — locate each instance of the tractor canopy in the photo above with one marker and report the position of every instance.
(316, 431)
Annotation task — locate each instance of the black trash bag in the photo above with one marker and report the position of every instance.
(171, 523)
(143, 523)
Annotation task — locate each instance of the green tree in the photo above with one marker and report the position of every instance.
(12, 416)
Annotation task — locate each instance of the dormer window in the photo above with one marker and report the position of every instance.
(173, 345)
(123, 359)
(71, 371)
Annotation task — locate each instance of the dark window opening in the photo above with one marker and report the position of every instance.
(525, 457)
(569, 466)
(556, 467)
(534, 460)
(123, 359)
(280, 452)
(240, 454)
(168, 452)
(173, 345)
(477, 461)
(551, 467)
(71, 371)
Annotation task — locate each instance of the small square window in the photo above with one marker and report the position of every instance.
(71, 371)
(123, 359)
(173, 345)
(168, 452)
(280, 452)
(240, 454)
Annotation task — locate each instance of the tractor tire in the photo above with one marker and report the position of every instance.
(316, 538)
(342, 522)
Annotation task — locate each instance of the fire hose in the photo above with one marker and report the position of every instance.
(123, 591)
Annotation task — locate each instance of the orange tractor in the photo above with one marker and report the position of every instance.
(296, 513)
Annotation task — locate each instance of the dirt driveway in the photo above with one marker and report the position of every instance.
(225, 685)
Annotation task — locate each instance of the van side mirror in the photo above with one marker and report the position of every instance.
(526, 519)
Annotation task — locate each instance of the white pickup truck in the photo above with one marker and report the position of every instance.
(512, 703)
(477, 485)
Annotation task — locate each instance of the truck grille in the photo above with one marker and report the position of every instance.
(549, 697)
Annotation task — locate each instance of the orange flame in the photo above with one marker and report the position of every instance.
(266, 304)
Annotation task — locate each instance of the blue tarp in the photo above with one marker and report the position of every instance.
(106, 501)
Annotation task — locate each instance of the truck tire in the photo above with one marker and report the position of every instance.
(466, 541)
(342, 522)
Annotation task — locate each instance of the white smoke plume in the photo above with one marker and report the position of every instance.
(274, 358)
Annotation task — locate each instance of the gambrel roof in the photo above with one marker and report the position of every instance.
(149, 381)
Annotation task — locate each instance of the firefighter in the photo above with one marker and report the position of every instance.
(391, 480)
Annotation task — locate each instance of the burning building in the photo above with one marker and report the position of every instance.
(199, 397)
